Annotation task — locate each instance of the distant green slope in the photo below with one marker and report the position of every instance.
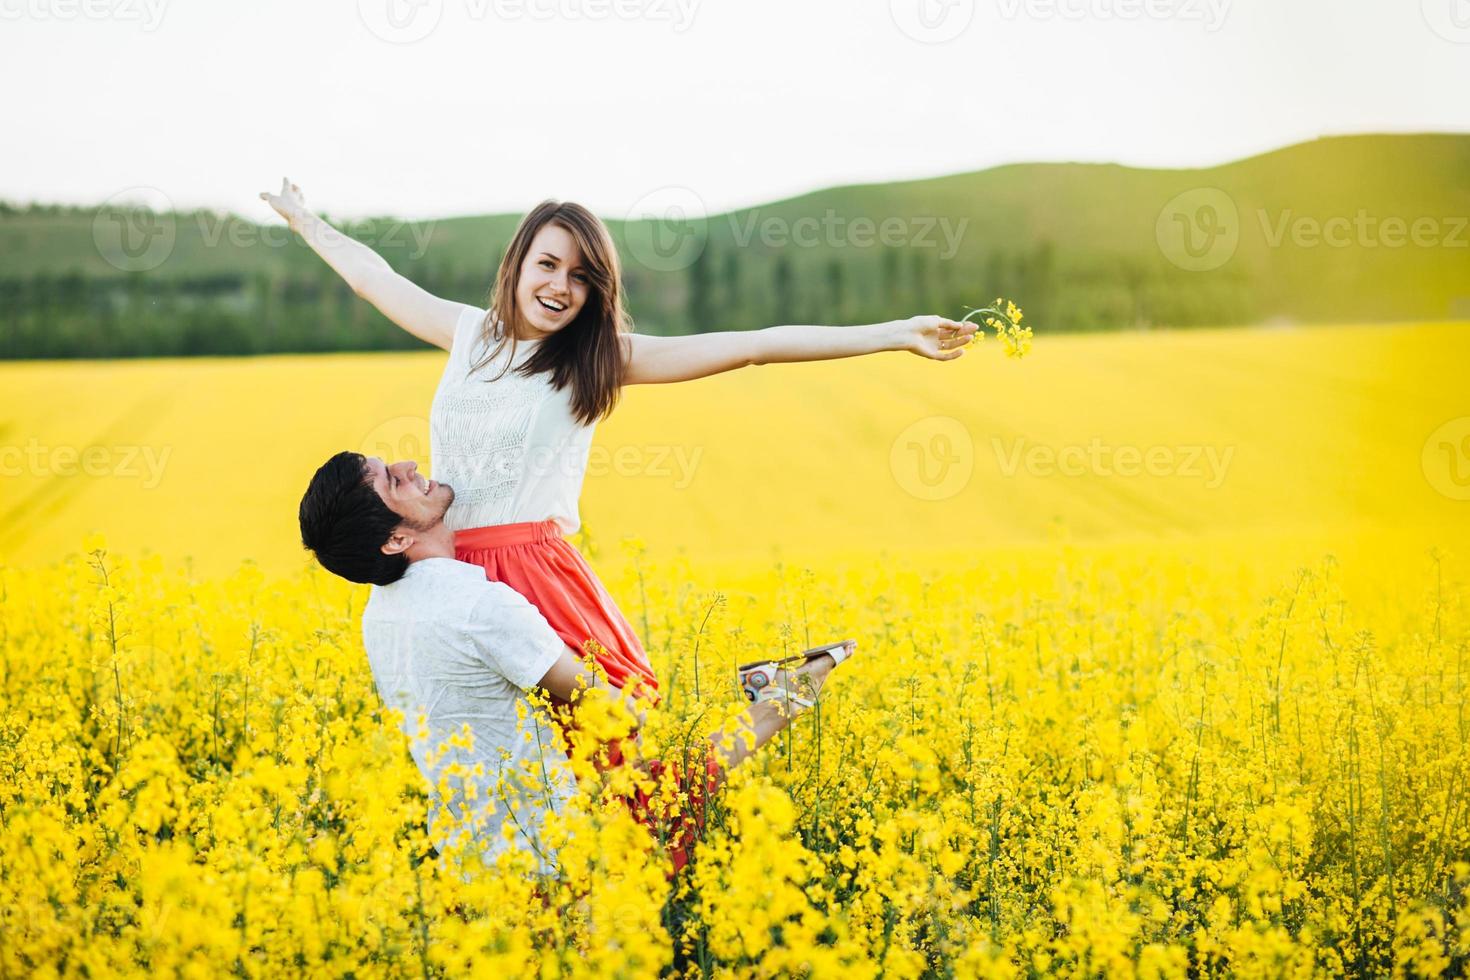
(1101, 220)
(1357, 228)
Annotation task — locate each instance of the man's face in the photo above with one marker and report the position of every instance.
(420, 502)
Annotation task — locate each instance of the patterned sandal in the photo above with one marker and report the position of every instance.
(764, 680)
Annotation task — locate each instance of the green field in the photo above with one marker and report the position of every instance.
(1343, 229)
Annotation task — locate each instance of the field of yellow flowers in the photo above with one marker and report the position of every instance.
(1099, 725)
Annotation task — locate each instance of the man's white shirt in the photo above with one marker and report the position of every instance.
(457, 650)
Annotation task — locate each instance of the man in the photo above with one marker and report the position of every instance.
(454, 651)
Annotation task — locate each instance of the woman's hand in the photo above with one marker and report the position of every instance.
(289, 204)
(936, 337)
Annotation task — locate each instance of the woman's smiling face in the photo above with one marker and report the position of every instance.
(552, 286)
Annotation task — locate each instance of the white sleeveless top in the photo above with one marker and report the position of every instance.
(510, 447)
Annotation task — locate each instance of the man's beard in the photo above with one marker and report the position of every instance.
(424, 527)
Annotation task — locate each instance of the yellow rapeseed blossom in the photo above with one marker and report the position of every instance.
(1122, 769)
(1004, 317)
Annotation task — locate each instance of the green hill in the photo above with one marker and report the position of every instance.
(1353, 228)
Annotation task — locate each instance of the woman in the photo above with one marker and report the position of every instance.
(527, 381)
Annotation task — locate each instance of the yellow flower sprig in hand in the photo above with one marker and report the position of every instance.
(1005, 318)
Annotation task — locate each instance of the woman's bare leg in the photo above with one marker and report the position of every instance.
(759, 723)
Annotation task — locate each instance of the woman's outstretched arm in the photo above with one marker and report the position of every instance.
(658, 360)
(421, 313)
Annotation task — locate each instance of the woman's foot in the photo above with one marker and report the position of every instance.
(813, 673)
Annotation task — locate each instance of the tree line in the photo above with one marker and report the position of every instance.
(300, 305)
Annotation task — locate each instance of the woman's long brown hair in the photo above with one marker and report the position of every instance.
(587, 353)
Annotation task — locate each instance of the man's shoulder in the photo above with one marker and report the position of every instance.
(431, 588)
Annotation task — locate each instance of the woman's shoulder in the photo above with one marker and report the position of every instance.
(468, 329)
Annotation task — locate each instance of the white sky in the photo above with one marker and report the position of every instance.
(504, 102)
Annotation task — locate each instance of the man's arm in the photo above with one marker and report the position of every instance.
(569, 677)
(519, 643)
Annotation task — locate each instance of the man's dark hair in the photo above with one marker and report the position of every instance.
(345, 523)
